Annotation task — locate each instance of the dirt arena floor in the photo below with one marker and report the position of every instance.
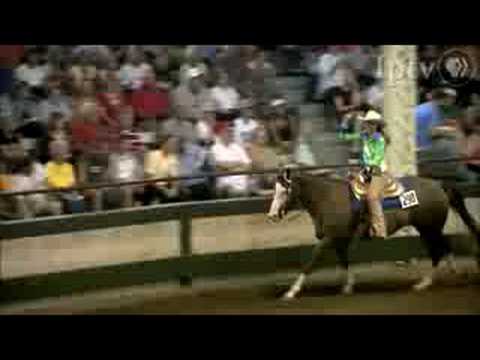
(381, 289)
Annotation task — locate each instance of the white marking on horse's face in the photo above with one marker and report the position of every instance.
(279, 202)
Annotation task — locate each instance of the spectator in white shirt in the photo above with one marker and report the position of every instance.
(133, 73)
(32, 176)
(32, 72)
(326, 69)
(122, 167)
(230, 156)
(225, 96)
(226, 101)
(206, 124)
(245, 127)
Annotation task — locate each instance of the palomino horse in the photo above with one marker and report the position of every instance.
(339, 219)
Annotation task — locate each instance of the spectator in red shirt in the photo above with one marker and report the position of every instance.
(151, 104)
(112, 100)
(90, 143)
(131, 137)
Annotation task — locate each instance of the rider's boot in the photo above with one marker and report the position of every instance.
(378, 226)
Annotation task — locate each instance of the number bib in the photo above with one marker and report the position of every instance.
(408, 199)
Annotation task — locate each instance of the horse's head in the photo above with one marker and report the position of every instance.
(284, 195)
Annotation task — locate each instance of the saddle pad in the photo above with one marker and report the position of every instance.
(389, 203)
(394, 188)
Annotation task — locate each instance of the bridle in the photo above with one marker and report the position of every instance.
(283, 180)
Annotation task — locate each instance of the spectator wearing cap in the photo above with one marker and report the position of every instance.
(32, 72)
(162, 162)
(226, 100)
(283, 126)
(192, 63)
(188, 99)
(429, 115)
(245, 126)
(134, 72)
(230, 156)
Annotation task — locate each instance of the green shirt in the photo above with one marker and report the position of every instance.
(373, 151)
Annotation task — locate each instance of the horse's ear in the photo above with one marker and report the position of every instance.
(288, 174)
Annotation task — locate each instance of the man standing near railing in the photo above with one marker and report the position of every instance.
(230, 156)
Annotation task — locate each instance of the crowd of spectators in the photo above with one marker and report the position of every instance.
(84, 115)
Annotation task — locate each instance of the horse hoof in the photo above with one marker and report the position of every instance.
(347, 290)
(423, 285)
(288, 297)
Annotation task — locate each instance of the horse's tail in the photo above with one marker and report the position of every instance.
(457, 202)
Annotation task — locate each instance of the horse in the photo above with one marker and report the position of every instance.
(339, 219)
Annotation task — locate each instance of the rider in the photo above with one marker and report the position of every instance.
(373, 169)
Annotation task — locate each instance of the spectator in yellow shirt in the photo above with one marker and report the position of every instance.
(60, 173)
(161, 163)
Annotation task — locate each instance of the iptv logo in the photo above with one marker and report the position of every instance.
(454, 68)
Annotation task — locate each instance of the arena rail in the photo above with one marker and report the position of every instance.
(187, 265)
(210, 175)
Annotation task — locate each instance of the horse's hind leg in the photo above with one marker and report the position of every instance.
(437, 246)
(458, 203)
(308, 268)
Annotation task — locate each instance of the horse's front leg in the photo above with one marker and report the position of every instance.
(308, 268)
(341, 250)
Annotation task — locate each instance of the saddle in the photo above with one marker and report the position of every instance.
(359, 187)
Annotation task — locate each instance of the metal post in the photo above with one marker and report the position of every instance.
(400, 75)
(186, 245)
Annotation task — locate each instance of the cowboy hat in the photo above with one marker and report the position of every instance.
(194, 72)
(371, 115)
